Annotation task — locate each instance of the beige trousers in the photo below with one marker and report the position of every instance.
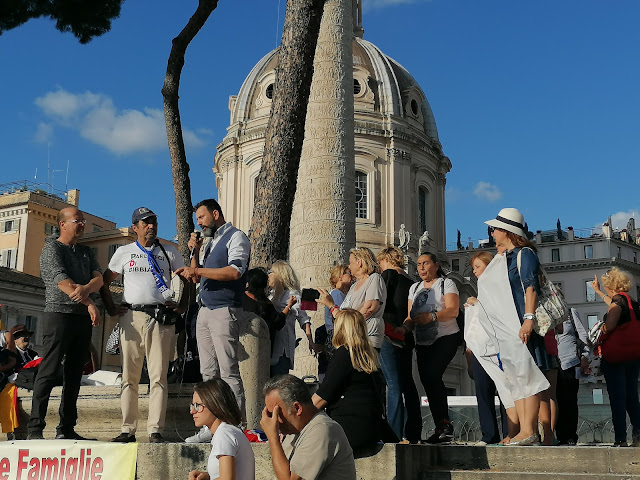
(140, 337)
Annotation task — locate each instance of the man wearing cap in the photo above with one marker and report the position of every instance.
(222, 277)
(145, 320)
(70, 273)
(21, 337)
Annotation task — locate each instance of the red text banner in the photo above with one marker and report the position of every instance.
(67, 460)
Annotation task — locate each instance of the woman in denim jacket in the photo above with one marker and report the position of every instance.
(510, 237)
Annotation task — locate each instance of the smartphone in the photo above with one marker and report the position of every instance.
(308, 299)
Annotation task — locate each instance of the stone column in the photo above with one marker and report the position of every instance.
(323, 216)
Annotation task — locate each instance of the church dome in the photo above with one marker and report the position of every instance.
(381, 85)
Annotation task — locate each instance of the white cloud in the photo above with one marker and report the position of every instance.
(619, 219)
(44, 132)
(372, 4)
(122, 132)
(486, 191)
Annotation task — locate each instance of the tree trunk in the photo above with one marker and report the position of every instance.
(179, 165)
(276, 186)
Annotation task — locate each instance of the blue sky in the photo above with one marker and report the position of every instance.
(536, 102)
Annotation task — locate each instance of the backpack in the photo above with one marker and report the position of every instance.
(552, 308)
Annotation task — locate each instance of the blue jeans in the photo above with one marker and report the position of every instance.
(403, 416)
(280, 368)
(622, 386)
(485, 394)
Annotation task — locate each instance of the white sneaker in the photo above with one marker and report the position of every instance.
(202, 436)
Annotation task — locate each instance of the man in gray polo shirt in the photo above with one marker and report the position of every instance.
(70, 273)
(315, 446)
(222, 276)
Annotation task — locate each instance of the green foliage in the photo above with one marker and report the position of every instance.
(86, 19)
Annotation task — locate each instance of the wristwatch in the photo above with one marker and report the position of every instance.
(529, 316)
(434, 316)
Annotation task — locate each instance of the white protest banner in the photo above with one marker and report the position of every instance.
(67, 460)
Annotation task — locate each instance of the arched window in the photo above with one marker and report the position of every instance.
(361, 195)
(422, 209)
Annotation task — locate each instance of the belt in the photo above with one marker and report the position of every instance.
(142, 308)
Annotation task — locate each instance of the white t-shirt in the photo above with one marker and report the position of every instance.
(231, 441)
(373, 288)
(428, 334)
(139, 283)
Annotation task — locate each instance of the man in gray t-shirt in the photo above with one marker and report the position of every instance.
(71, 274)
(316, 447)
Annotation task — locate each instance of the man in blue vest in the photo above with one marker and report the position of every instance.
(222, 276)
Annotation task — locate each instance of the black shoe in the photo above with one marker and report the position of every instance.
(572, 442)
(35, 435)
(156, 438)
(72, 435)
(443, 434)
(620, 443)
(124, 438)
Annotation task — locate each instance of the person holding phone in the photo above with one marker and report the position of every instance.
(284, 284)
(367, 295)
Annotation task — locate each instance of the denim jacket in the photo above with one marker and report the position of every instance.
(529, 266)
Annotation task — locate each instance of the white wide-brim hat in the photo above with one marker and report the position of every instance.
(509, 219)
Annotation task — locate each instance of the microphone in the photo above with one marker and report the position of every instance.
(193, 250)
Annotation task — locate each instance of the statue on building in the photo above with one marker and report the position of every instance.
(404, 237)
(424, 242)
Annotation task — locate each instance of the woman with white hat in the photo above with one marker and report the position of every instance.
(510, 319)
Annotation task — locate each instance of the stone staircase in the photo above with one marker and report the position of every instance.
(453, 462)
(99, 414)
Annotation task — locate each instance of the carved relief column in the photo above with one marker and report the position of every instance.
(323, 216)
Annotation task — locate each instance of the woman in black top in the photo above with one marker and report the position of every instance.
(621, 378)
(351, 389)
(396, 354)
(256, 301)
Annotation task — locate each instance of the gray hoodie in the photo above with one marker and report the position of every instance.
(59, 262)
(568, 344)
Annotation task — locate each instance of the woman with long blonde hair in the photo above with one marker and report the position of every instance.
(284, 284)
(352, 388)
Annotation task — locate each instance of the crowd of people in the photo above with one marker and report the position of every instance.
(375, 317)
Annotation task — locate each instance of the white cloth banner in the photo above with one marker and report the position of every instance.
(67, 460)
(498, 317)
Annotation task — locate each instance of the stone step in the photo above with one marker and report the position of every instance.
(99, 413)
(495, 475)
(413, 461)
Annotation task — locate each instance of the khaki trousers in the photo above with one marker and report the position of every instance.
(218, 335)
(140, 337)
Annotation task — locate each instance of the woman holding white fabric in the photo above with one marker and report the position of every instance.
(487, 372)
(507, 293)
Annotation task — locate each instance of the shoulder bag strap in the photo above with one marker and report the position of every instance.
(632, 313)
(167, 257)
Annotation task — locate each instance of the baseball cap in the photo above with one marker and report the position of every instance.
(141, 213)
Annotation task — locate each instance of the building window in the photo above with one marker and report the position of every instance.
(269, 91)
(361, 195)
(555, 254)
(455, 265)
(592, 319)
(618, 252)
(591, 294)
(357, 88)
(422, 210)
(10, 226)
(9, 257)
(588, 251)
